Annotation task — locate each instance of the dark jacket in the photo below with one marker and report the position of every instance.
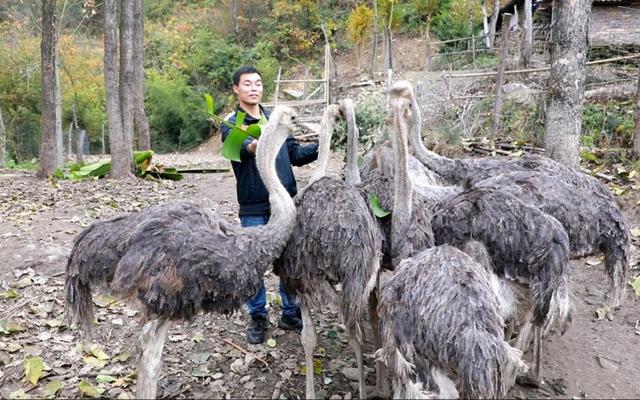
(252, 194)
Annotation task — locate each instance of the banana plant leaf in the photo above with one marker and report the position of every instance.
(378, 211)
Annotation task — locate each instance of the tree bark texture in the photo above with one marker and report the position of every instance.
(494, 22)
(528, 34)
(566, 82)
(234, 17)
(58, 142)
(120, 158)
(140, 117)
(504, 47)
(374, 41)
(48, 59)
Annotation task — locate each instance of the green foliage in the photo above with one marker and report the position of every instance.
(370, 118)
(177, 114)
(453, 16)
(608, 124)
(294, 29)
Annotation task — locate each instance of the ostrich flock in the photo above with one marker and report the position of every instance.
(470, 267)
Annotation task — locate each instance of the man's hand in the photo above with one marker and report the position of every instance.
(251, 148)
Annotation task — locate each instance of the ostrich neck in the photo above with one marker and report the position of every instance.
(324, 146)
(283, 211)
(431, 160)
(403, 187)
(353, 134)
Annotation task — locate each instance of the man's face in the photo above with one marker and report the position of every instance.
(249, 89)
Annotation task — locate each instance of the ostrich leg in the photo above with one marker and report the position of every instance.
(537, 350)
(308, 339)
(154, 334)
(357, 348)
(382, 383)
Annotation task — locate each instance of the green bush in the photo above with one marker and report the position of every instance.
(177, 114)
(608, 124)
(371, 121)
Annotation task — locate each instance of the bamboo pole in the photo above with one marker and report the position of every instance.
(541, 69)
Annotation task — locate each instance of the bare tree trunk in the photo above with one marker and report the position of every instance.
(429, 50)
(494, 22)
(120, 155)
(127, 79)
(636, 137)
(528, 34)
(485, 25)
(58, 141)
(234, 17)
(140, 117)
(504, 46)
(3, 143)
(566, 82)
(374, 42)
(48, 60)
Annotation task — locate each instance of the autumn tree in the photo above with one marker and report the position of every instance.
(426, 9)
(358, 25)
(566, 83)
(47, 65)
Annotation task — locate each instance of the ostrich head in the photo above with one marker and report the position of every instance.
(400, 103)
(326, 132)
(348, 113)
(280, 126)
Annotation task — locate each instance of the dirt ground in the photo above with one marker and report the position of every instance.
(208, 357)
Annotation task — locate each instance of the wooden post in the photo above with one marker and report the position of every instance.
(80, 146)
(277, 92)
(528, 34)
(636, 137)
(3, 143)
(473, 50)
(104, 151)
(70, 141)
(305, 90)
(500, 75)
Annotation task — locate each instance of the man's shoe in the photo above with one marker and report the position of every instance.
(256, 328)
(290, 323)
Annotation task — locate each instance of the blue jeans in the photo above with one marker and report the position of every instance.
(257, 304)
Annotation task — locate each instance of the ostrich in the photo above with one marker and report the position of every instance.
(593, 223)
(440, 314)
(459, 171)
(527, 247)
(572, 197)
(441, 317)
(335, 240)
(176, 260)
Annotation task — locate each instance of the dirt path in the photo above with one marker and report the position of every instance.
(38, 221)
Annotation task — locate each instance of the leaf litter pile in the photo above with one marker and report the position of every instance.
(40, 357)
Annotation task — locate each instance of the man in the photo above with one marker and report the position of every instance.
(252, 194)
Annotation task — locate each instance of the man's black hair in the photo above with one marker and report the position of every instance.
(247, 69)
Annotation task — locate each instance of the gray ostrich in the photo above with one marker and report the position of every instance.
(527, 248)
(441, 318)
(459, 171)
(176, 260)
(594, 224)
(335, 240)
(440, 313)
